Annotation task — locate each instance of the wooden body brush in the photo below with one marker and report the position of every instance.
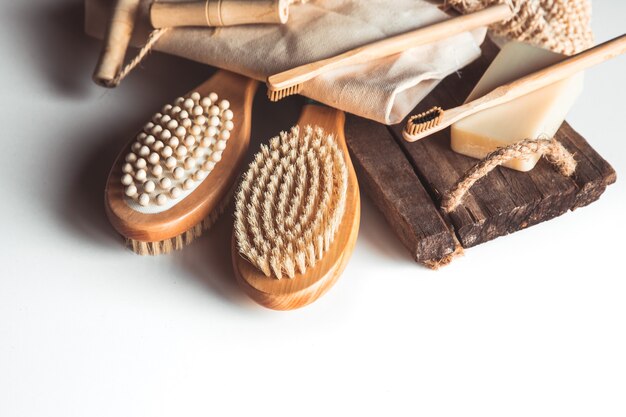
(297, 214)
(173, 179)
(290, 82)
(436, 119)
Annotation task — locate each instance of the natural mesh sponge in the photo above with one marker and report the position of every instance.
(291, 202)
(562, 26)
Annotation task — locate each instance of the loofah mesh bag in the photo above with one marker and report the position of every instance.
(558, 25)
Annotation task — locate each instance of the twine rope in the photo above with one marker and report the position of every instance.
(559, 25)
(154, 36)
(551, 149)
(562, 26)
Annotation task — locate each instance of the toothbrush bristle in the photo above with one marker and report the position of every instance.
(275, 95)
(423, 121)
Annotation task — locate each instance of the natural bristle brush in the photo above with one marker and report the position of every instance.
(290, 82)
(297, 213)
(436, 119)
(173, 179)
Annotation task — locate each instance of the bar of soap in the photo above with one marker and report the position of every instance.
(535, 115)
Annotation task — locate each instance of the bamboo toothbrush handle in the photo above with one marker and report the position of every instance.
(392, 45)
(218, 12)
(116, 40)
(542, 78)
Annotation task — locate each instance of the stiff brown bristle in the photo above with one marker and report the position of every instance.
(423, 121)
(275, 95)
(291, 202)
(166, 246)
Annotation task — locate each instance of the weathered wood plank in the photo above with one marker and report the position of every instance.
(387, 176)
(501, 203)
(593, 173)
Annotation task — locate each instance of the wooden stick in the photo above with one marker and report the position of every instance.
(525, 85)
(390, 46)
(116, 40)
(218, 13)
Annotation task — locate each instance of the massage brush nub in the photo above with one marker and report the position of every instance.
(176, 151)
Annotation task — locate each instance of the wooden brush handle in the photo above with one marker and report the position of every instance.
(539, 79)
(218, 12)
(392, 45)
(116, 40)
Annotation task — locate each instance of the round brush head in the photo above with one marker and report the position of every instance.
(291, 202)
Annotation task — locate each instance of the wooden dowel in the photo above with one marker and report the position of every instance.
(116, 40)
(391, 46)
(551, 74)
(218, 13)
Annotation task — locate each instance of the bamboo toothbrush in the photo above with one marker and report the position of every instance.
(173, 179)
(290, 82)
(297, 213)
(119, 30)
(436, 119)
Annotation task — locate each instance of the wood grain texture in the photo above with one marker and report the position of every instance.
(593, 174)
(406, 205)
(303, 289)
(503, 202)
(207, 196)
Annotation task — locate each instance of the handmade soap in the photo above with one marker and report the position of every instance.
(537, 114)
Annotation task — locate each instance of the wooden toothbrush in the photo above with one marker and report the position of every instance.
(290, 82)
(214, 13)
(424, 124)
(116, 39)
(302, 287)
(174, 178)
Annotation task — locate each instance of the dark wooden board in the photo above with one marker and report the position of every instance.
(408, 207)
(503, 202)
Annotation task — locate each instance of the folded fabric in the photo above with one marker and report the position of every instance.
(385, 90)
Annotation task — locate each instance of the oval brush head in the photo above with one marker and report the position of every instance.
(176, 151)
(291, 202)
(297, 214)
(172, 181)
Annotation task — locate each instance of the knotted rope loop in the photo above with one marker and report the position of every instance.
(143, 52)
(551, 149)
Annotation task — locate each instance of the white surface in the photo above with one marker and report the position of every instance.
(529, 324)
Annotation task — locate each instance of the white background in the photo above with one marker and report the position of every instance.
(529, 324)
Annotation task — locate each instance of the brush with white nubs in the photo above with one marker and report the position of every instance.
(173, 180)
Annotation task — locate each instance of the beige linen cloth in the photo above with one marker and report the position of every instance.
(385, 90)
